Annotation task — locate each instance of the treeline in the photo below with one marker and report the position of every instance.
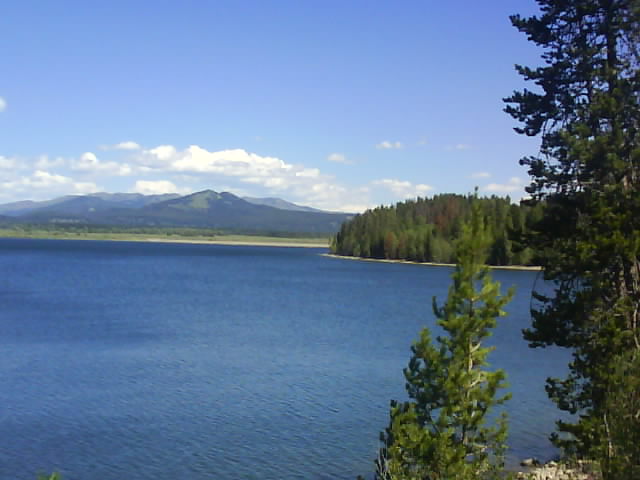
(80, 229)
(425, 229)
(187, 232)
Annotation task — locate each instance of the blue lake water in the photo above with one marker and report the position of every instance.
(145, 361)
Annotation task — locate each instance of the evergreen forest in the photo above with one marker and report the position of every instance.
(425, 230)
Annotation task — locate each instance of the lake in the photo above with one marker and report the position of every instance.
(148, 360)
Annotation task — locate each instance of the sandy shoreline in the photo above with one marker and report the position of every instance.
(428, 264)
(236, 242)
(261, 242)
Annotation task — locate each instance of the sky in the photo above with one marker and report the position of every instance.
(340, 105)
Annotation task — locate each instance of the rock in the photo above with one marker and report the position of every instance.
(554, 471)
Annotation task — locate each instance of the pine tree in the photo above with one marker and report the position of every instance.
(443, 431)
(623, 408)
(588, 177)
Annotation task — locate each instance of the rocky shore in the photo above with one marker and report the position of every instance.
(557, 471)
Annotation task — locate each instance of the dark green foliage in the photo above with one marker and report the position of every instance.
(443, 432)
(424, 230)
(622, 407)
(587, 112)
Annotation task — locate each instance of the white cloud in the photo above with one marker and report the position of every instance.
(44, 185)
(270, 175)
(44, 162)
(129, 145)
(3, 104)
(338, 158)
(331, 196)
(308, 173)
(235, 162)
(89, 159)
(157, 187)
(404, 189)
(7, 163)
(386, 145)
(163, 152)
(89, 163)
(480, 175)
(513, 185)
(40, 178)
(248, 167)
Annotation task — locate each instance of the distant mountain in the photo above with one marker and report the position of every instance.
(281, 204)
(26, 206)
(79, 204)
(134, 200)
(207, 209)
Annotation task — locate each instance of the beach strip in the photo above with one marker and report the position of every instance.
(430, 264)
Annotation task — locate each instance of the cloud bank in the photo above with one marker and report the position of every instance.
(403, 189)
(43, 185)
(514, 184)
(158, 187)
(166, 168)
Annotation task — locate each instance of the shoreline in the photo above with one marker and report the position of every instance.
(430, 264)
(246, 243)
(142, 238)
(557, 470)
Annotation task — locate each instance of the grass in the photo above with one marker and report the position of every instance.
(166, 237)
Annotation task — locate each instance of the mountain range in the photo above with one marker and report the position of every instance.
(206, 209)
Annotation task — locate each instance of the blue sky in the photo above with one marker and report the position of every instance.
(340, 105)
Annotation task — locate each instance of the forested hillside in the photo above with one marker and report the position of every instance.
(425, 229)
(221, 211)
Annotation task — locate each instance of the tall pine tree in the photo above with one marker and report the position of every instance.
(587, 111)
(443, 431)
